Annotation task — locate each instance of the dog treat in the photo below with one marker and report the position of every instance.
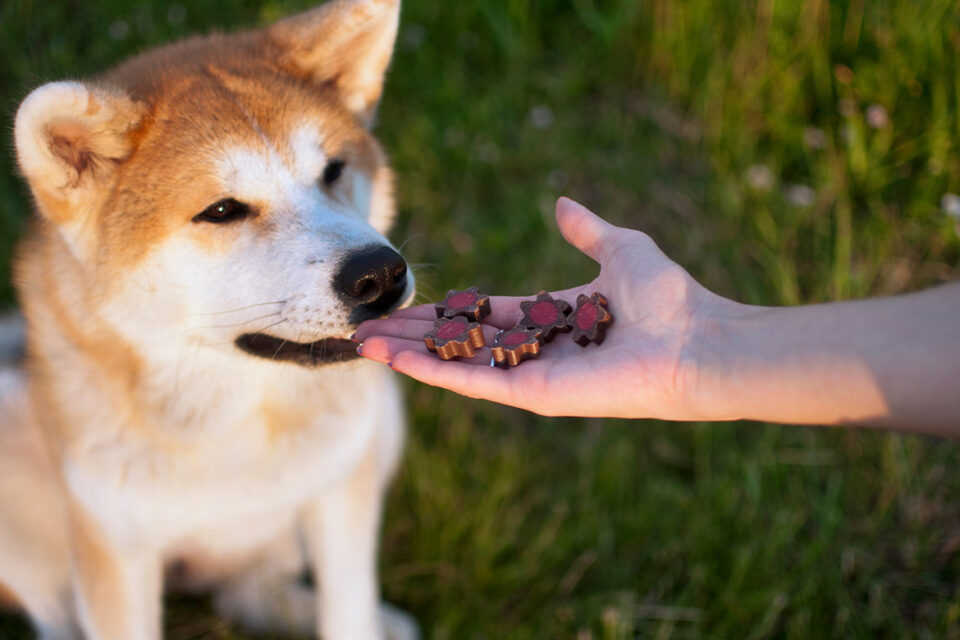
(590, 319)
(469, 303)
(547, 314)
(453, 337)
(513, 346)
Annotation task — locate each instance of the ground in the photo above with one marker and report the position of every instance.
(783, 152)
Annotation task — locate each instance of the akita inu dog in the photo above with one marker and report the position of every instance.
(210, 231)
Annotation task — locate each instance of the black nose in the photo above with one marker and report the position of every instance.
(374, 277)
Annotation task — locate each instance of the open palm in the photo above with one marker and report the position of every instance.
(638, 371)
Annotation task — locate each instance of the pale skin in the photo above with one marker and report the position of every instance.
(677, 351)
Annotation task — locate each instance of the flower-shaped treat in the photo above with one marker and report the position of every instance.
(513, 346)
(590, 319)
(468, 303)
(453, 337)
(547, 314)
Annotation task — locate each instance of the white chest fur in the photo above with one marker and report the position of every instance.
(247, 453)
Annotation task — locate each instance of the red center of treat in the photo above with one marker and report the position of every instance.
(464, 299)
(513, 339)
(587, 316)
(543, 313)
(451, 330)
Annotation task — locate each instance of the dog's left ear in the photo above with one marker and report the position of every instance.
(346, 44)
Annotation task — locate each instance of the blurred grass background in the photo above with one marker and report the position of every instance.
(784, 152)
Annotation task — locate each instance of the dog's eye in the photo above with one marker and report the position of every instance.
(223, 211)
(333, 171)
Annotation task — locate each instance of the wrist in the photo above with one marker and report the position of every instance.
(709, 363)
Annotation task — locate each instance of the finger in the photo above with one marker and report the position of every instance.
(385, 349)
(413, 330)
(398, 327)
(582, 228)
(419, 312)
(504, 313)
(489, 383)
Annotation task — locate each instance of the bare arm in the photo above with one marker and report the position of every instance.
(680, 352)
(888, 362)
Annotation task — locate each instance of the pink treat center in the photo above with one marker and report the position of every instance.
(587, 316)
(543, 313)
(464, 299)
(451, 330)
(513, 339)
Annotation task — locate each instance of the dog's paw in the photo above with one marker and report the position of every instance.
(398, 624)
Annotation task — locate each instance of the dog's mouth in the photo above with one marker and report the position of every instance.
(307, 354)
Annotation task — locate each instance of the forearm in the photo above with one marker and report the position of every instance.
(888, 362)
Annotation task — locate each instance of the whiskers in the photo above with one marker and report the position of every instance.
(243, 323)
(236, 324)
(249, 306)
(425, 274)
(416, 236)
(257, 330)
(279, 349)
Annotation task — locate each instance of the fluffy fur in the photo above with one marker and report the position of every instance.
(145, 448)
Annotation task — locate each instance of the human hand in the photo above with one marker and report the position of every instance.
(643, 368)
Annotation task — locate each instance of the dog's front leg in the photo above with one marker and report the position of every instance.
(118, 588)
(341, 529)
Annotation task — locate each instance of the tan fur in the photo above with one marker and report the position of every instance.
(182, 98)
(136, 458)
(61, 309)
(324, 58)
(99, 574)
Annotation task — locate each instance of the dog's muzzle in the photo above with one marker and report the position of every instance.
(371, 282)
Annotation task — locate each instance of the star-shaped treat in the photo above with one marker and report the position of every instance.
(547, 314)
(453, 337)
(513, 346)
(590, 319)
(469, 303)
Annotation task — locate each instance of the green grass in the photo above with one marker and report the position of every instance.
(657, 114)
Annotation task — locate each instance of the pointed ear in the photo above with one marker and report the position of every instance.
(70, 139)
(346, 44)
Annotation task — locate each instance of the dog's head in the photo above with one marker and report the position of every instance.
(226, 190)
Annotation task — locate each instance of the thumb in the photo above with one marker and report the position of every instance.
(582, 228)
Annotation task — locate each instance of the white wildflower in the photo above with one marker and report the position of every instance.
(877, 116)
(800, 195)
(488, 152)
(950, 203)
(760, 177)
(541, 117)
(815, 138)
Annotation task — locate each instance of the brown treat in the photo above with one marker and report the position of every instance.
(547, 314)
(513, 346)
(590, 319)
(468, 303)
(453, 337)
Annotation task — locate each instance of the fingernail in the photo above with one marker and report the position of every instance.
(360, 350)
(353, 337)
(390, 364)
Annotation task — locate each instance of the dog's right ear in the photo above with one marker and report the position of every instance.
(70, 139)
(345, 44)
